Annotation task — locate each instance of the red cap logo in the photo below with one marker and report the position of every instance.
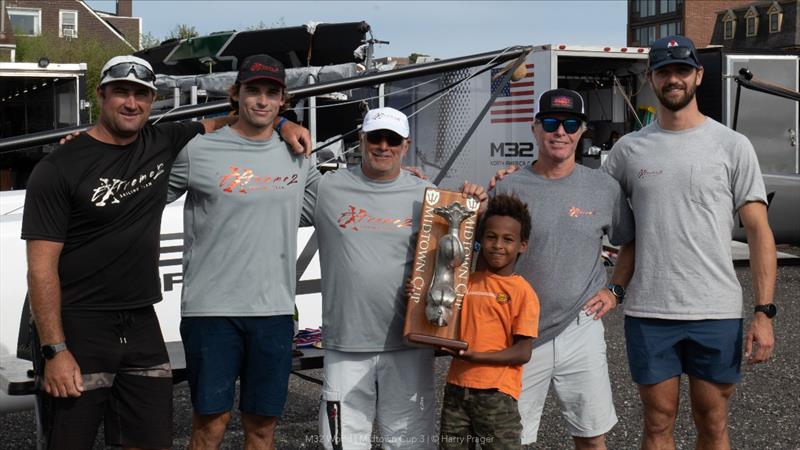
(672, 43)
(257, 67)
(561, 102)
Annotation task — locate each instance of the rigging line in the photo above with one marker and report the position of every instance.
(369, 98)
(488, 66)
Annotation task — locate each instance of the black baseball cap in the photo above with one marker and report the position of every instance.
(262, 67)
(561, 101)
(673, 50)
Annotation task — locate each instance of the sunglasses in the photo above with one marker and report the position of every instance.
(661, 54)
(122, 70)
(375, 137)
(551, 124)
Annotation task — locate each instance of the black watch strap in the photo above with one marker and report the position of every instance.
(49, 351)
(618, 290)
(769, 310)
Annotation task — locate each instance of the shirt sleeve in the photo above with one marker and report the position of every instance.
(310, 196)
(47, 204)
(526, 321)
(179, 176)
(180, 133)
(623, 229)
(614, 164)
(747, 183)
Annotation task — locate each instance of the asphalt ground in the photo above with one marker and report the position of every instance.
(764, 411)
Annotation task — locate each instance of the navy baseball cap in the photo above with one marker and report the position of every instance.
(561, 101)
(673, 50)
(262, 67)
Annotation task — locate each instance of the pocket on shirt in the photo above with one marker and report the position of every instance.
(708, 183)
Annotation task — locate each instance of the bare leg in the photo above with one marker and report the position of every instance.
(590, 443)
(710, 411)
(208, 430)
(259, 432)
(660, 402)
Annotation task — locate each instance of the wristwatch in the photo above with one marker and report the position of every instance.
(618, 290)
(769, 310)
(49, 351)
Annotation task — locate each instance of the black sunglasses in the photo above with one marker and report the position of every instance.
(377, 136)
(551, 124)
(122, 70)
(661, 54)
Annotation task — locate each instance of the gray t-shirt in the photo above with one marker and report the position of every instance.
(242, 210)
(569, 217)
(685, 187)
(366, 232)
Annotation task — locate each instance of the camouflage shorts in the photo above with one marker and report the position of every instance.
(479, 416)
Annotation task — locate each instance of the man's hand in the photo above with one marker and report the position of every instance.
(600, 303)
(760, 340)
(476, 190)
(62, 376)
(416, 171)
(297, 136)
(501, 173)
(69, 137)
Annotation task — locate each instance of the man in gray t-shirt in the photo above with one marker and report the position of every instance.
(366, 218)
(572, 207)
(246, 193)
(687, 176)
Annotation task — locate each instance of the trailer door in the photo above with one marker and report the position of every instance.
(770, 122)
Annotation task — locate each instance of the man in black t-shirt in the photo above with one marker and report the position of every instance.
(92, 219)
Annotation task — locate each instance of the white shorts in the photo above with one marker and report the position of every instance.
(395, 390)
(575, 362)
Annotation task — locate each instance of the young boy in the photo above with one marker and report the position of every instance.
(500, 316)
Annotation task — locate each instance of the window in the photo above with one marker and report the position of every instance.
(646, 8)
(729, 25)
(751, 22)
(67, 23)
(667, 6)
(644, 35)
(775, 14)
(25, 21)
(669, 29)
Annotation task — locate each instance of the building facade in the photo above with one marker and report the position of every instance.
(769, 25)
(67, 19)
(649, 20)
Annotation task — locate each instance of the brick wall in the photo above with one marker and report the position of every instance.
(700, 16)
(128, 27)
(89, 26)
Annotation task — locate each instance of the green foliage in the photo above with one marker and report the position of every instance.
(183, 31)
(149, 40)
(92, 52)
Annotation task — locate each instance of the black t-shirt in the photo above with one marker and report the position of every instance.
(104, 202)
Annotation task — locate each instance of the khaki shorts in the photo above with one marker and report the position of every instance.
(575, 363)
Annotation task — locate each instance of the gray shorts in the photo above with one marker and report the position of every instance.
(575, 363)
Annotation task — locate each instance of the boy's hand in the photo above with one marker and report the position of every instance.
(69, 137)
(478, 192)
(409, 287)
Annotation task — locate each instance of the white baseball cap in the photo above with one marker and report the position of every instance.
(386, 119)
(133, 73)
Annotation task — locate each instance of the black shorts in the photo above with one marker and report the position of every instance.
(127, 379)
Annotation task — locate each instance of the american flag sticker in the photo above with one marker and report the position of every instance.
(515, 101)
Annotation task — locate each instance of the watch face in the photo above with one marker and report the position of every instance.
(769, 310)
(618, 290)
(48, 351)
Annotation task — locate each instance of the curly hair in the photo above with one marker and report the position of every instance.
(510, 206)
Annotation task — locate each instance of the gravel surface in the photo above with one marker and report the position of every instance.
(765, 410)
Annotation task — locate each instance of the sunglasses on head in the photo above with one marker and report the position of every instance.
(551, 124)
(377, 136)
(122, 70)
(661, 54)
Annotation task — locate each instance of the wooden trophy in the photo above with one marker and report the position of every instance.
(441, 269)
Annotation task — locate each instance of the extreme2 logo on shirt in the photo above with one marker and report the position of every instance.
(356, 218)
(114, 189)
(245, 180)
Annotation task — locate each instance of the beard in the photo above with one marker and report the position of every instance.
(676, 104)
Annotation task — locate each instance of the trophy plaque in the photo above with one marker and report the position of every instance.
(442, 264)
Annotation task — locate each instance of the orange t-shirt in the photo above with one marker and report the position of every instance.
(494, 310)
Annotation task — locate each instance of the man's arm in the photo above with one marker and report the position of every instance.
(62, 376)
(519, 353)
(604, 301)
(763, 265)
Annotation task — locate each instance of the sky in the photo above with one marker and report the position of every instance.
(443, 29)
